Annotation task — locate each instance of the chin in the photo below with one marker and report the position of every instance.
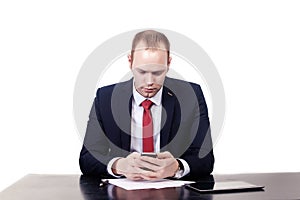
(148, 95)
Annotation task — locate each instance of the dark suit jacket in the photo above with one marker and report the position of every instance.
(185, 128)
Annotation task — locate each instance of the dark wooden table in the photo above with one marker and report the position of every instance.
(72, 187)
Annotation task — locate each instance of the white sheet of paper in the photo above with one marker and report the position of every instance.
(143, 184)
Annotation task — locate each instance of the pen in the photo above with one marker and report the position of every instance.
(103, 182)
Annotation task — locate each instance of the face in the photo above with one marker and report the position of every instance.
(149, 69)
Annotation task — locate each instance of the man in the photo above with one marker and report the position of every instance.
(149, 113)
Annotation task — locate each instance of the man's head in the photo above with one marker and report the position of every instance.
(149, 61)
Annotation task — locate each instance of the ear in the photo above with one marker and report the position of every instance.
(169, 61)
(129, 60)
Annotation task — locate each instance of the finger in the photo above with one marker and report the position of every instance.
(137, 178)
(132, 162)
(134, 155)
(144, 164)
(164, 155)
(132, 171)
(152, 176)
(128, 166)
(136, 163)
(161, 163)
(154, 161)
(134, 177)
(141, 170)
(149, 178)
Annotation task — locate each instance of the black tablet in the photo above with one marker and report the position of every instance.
(224, 186)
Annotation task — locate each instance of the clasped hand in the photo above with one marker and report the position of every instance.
(137, 167)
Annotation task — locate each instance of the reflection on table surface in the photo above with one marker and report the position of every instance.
(91, 190)
(76, 187)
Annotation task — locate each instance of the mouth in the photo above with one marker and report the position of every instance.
(149, 90)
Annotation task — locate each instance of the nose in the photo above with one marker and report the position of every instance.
(149, 79)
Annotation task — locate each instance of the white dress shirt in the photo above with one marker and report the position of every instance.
(136, 144)
(137, 121)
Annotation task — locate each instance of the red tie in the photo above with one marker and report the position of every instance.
(147, 127)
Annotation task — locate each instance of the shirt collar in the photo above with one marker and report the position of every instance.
(138, 98)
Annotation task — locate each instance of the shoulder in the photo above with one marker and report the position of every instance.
(107, 90)
(177, 84)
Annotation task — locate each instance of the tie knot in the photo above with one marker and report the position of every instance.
(147, 104)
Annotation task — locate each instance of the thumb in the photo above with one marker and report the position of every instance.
(164, 155)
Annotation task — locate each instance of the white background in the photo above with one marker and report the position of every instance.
(255, 46)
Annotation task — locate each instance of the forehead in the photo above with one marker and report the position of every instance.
(149, 60)
(150, 68)
(143, 49)
(155, 55)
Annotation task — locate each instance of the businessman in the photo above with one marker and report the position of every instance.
(150, 113)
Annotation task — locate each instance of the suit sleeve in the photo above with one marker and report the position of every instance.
(95, 152)
(199, 155)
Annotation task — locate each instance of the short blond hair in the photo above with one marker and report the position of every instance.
(152, 39)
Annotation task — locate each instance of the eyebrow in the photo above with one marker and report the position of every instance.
(150, 48)
(141, 70)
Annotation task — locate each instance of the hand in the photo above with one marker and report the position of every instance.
(165, 165)
(128, 167)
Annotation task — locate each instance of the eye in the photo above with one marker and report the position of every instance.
(141, 71)
(157, 73)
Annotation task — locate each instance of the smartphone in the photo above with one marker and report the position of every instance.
(153, 155)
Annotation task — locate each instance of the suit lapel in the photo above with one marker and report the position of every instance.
(124, 97)
(168, 103)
